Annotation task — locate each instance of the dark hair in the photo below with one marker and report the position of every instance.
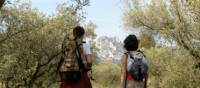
(131, 43)
(78, 31)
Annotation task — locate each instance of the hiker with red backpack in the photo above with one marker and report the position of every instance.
(134, 67)
(76, 61)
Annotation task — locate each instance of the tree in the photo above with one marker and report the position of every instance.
(89, 27)
(30, 43)
(146, 40)
(177, 19)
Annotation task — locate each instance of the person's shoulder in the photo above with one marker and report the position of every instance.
(69, 39)
(69, 42)
(141, 53)
(124, 55)
(86, 44)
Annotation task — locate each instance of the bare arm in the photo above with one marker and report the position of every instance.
(89, 60)
(123, 71)
(88, 55)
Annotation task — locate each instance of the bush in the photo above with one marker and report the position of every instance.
(171, 68)
(106, 75)
(168, 68)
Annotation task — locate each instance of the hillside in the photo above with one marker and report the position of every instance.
(109, 48)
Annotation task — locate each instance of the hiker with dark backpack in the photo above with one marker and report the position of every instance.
(74, 64)
(134, 67)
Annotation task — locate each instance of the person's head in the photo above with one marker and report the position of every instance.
(131, 43)
(78, 32)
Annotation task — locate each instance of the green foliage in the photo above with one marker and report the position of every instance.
(168, 68)
(146, 40)
(89, 27)
(106, 75)
(30, 44)
(176, 19)
(172, 68)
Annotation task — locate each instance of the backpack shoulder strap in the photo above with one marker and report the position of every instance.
(141, 52)
(126, 59)
(80, 61)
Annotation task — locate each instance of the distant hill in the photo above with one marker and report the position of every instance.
(109, 49)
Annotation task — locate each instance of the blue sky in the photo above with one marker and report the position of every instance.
(106, 14)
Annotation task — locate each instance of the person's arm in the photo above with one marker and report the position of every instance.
(88, 54)
(89, 60)
(123, 71)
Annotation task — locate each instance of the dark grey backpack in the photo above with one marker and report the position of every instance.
(137, 66)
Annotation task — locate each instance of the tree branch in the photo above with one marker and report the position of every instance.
(37, 73)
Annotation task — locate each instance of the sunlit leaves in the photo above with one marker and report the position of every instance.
(30, 44)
